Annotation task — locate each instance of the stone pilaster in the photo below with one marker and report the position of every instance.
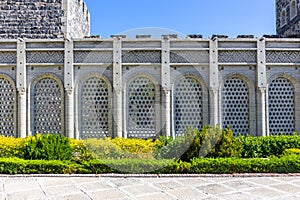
(261, 88)
(117, 87)
(166, 85)
(214, 82)
(69, 89)
(21, 88)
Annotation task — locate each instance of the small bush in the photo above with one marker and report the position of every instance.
(175, 149)
(80, 152)
(262, 147)
(48, 147)
(212, 142)
(103, 148)
(137, 148)
(12, 147)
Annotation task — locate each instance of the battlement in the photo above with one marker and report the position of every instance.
(44, 19)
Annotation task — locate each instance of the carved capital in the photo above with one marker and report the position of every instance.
(167, 90)
(69, 90)
(118, 90)
(262, 90)
(22, 91)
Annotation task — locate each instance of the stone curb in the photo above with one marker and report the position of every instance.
(150, 175)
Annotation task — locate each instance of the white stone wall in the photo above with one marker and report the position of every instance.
(148, 87)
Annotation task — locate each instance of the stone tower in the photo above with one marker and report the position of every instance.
(43, 19)
(288, 18)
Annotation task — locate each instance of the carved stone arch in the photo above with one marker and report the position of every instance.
(283, 100)
(8, 106)
(142, 106)
(237, 104)
(94, 106)
(46, 105)
(190, 103)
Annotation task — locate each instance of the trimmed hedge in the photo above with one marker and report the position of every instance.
(20, 166)
(285, 164)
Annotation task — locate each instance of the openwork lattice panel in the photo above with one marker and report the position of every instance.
(94, 109)
(8, 57)
(93, 57)
(237, 56)
(7, 108)
(281, 106)
(235, 105)
(141, 108)
(48, 111)
(189, 57)
(141, 56)
(45, 57)
(187, 105)
(283, 57)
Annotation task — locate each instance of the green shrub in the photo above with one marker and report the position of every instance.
(80, 152)
(12, 147)
(262, 147)
(227, 146)
(209, 142)
(175, 149)
(118, 148)
(291, 151)
(48, 147)
(137, 148)
(103, 148)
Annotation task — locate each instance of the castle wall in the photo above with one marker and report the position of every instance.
(43, 19)
(148, 87)
(292, 25)
(78, 19)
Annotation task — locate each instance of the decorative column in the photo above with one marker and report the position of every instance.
(166, 84)
(21, 88)
(214, 81)
(69, 89)
(117, 87)
(261, 87)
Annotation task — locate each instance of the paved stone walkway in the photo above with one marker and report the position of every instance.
(150, 188)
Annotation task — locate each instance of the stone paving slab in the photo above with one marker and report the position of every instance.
(165, 187)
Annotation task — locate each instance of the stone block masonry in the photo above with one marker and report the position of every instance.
(36, 19)
(146, 87)
(288, 18)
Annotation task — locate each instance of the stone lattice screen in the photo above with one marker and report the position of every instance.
(94, 88)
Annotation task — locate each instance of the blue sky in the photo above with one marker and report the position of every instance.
(206, 17)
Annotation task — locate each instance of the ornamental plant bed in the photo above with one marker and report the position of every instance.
(211, 150)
